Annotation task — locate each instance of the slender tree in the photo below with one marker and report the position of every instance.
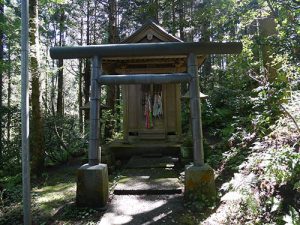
(111, 89)
(181, 19)
(60, 78)
(9, 86)
(81, 127)
(1, 79)
(205, 37)
(87, 68)
(37, 137)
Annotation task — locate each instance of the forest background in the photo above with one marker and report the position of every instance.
(250, 95)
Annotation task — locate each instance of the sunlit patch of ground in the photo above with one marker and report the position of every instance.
(56, 189)
(143, 209)
(49, 198)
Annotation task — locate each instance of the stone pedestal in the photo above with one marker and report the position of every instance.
(92, 186)
(200, 181)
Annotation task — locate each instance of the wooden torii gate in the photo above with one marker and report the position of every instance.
(92, 183)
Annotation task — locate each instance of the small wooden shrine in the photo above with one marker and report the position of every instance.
(151, 111)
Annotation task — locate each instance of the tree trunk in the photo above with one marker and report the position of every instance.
(81, 127)
(118, 109)
(206, 68)
(94, 24)
(60, 79)
(37, 137)
(87, 69)
(1, 86)
(8, 91)
(174, 30)
(52, 92)
(267, 28)
(181, 20)
(110, 103)
(53, 83)
(112, 22)
(111, 89)
(155, 7)
(60, 83)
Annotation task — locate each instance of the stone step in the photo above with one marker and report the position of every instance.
(148, 192)
(151, 161)
(152, 134)
(153, 181)
(126, 150)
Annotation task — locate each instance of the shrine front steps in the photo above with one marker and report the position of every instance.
(150, 135)
(154, 181)
(151, 161)
(149, 175)
(118, 149)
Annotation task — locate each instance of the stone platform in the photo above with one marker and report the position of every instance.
(151, 161)
(148, 181)
(149, 175)
(119, 149)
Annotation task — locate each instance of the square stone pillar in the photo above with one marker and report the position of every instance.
(200, 181)
(92, 186)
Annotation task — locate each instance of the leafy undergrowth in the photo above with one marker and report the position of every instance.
(55, 189)
(53, 199)
(259, 178)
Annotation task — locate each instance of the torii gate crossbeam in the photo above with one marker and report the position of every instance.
(145, 49)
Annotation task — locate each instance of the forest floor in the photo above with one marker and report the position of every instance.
(258, 182)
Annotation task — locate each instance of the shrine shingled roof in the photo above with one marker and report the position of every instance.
(151, 32)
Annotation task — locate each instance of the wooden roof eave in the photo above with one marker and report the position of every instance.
(118, 64)
(157, 30)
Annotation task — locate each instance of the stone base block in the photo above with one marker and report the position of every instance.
(200, 181)
(92, 186)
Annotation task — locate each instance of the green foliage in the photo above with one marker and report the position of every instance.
(199, 202)
(188, 140)
(185, 116)
(10, 196)
(11, 159)
(252, 206)
(63, 139)
(115, 121)
(266, 106)
(71, 212)
(292, 218)
(284, 165)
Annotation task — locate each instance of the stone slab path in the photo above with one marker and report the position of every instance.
(148, 192)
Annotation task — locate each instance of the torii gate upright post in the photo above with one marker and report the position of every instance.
(199, 177)
(92, 178)
(94, 138)
(195, 107)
